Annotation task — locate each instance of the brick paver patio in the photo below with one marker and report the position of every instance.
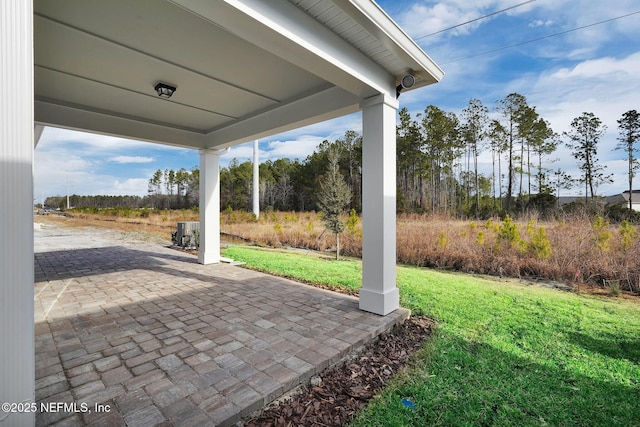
(158, 339)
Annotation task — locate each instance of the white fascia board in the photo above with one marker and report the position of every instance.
(68, 117)
(377, 22)
(282, 29)
(327, 104)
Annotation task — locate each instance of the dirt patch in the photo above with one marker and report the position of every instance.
(335, 396)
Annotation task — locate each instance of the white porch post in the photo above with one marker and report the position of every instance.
(256, 180)
(17, 350)
(379, 293)
(209, 251)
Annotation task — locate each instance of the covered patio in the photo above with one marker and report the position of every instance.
(199, 74)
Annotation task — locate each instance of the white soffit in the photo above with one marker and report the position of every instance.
(243, 68)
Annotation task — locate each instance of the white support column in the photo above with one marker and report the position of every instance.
(209, 252)
(256, 181)
(17, 350)
(379, 293)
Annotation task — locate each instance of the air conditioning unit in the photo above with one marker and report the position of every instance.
(187, 234)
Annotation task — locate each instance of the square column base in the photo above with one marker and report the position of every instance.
(209, 257)
(379, 303)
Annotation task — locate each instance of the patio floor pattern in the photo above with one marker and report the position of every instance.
(143, 335)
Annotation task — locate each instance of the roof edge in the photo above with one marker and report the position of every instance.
(382, 26)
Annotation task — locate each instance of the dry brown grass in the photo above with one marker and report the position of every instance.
(160, 223)
(581, 253)
(578, 252)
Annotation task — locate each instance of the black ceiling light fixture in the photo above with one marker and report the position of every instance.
(164, 90)
(407, 81)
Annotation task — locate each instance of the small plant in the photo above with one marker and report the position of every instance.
(531, 227)
(480, 238)
(278, 228)
(614, 287)
(352, 221)
(627, 234)
(442, 241)
(540, 244)
(290, 217)
(490, 225)
(508, 232)
(603, 237)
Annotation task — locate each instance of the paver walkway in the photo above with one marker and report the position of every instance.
(157, 339)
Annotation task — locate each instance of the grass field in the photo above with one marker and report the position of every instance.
(503, 353)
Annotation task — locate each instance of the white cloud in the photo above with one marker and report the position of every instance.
(298, 143)
(98, 144)
(298, 149)
(132, 186)
(607, 87)
(541, 23)
(131, 159)
(52, 135)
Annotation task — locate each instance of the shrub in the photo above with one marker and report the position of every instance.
(627, 234)
(442, 241)
(602, 236)
(614, 287)
(508, 232)
(278, 228)
(352, 221)
(540, 244)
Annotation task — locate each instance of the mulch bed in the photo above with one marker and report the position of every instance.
(335, 396)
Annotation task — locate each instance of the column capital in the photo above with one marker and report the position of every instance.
(381, 98)
(213, 151)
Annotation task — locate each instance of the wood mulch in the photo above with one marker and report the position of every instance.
(335, 396)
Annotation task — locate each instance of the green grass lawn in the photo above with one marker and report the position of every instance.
(502, 354)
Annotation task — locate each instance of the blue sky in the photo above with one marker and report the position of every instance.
(595, 69)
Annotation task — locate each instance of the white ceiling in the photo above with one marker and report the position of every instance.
(243, 68)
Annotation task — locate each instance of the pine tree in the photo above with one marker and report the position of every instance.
(584, 136)
(334, 197)
(629, 126)
(512, 108)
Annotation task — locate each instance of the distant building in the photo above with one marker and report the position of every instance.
(635, 199)
(616, 199)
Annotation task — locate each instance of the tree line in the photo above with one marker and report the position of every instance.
(437, 165)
